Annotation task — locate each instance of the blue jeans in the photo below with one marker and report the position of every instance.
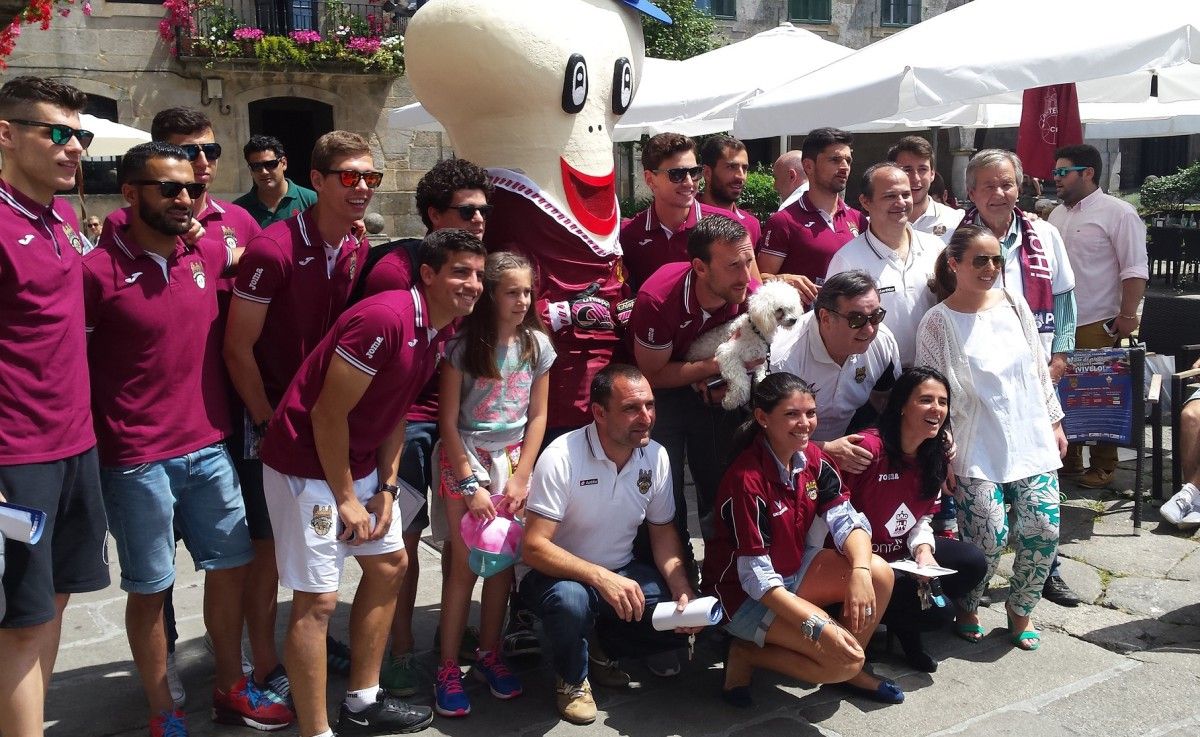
(569, 610)
(416, 467)
(198, 493)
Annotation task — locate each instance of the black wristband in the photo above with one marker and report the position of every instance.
(389, 488)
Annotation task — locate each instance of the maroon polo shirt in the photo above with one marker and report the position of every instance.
(748, 221)
(158, 383)
(890, 497)
(800, 236)
(45, 403)
(646, 245)
(667, 314)
(387, 337)
(566, 261)
(285, 267)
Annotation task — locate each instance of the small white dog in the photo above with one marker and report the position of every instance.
(748, 338)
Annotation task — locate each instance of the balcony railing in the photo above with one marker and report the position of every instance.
(294, 33)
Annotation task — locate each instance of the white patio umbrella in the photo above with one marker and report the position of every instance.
(700, 95)
(112, 139)
(986, 48)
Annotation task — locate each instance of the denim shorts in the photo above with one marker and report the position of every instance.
(196, 493)
(753, 618)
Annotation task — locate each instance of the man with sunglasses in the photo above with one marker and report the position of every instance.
(900, 258)
(843, 349)
(273, 197)
(658, 234)
(799, 241)
(291, 286)
(47, 443)
(158, 390)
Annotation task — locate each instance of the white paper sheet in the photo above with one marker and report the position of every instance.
(702, 612)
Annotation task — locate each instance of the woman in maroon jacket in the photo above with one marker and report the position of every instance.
(898, 493)
(779, 499)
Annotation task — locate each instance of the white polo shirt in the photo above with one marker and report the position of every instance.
(903, 284)
(598, 509)
(840, 390)
(940, 220)
(1106, 244)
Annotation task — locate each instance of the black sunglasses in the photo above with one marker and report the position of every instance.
(60, 134)
(170, 189)
(467, 212)
(351, 178)
(857, 319)
(212, 151)
(677, 173)
(983, 260)
(268, 165)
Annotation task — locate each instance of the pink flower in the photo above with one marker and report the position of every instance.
(247, 34)
(87, 8)
(363, 44)
(305, 36)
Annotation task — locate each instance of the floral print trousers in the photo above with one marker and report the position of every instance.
(983, 521)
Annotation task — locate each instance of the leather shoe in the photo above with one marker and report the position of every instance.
(1095, 478)
(1057, 591)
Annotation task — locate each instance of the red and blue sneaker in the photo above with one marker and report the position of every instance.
(168, 724)
(491, 668)
(450, 700)
(248, 705)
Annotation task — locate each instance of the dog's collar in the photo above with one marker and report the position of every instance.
(766, 342)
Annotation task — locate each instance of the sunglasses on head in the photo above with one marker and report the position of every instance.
(1062, 171)
(677, 173)
(467, 212)
(981, 261)
(857, 319)
(351, 178)
(268, 165)
(60, 134)
(212, 151)
(170, 189)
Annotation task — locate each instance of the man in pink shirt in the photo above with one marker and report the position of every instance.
(800, 240)
(658, 234)
(331, 457)
(161, 414)
(292, 285)
(47, 443)
(726, 164)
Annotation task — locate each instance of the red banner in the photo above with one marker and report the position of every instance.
(1049, 120)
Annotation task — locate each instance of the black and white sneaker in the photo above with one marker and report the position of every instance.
(388, 715)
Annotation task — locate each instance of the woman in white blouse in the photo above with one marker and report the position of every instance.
(1006, 419)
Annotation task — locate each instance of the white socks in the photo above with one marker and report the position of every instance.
(357, 701)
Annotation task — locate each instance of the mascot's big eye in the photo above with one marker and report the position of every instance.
(575, 84)
(622, 87)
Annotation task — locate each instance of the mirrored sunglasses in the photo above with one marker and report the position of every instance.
(60, 134)
(351, 178)
(212, 151)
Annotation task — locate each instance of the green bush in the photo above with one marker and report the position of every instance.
(758, 194)
(280, 51)
(631, 206)
(1173, 189)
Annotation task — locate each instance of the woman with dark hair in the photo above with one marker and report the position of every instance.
(779, 499)
(1007, 425)
(899, 493)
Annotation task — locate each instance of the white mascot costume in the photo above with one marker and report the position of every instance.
(530, 90)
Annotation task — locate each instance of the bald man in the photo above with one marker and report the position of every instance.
(790, 179)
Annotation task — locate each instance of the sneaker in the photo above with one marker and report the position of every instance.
(467, 648)
(278, 688)
(607, 673)
(399, 676)
(168, 724)
(386, 716)
(178, 694)
(247, 666)
(519, 636)
(575, 702)
(492, 670)
(337, 655)
(1182, 509)
(449, 698)
(248, 705)
(664, 665)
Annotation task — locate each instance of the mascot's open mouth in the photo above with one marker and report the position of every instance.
(592, 199)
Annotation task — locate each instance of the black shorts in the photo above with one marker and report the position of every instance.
(249, 471)
(72, 555)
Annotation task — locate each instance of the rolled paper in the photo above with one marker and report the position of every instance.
(21, 523)
(702, 612)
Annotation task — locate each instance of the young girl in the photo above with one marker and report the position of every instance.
(492, 417)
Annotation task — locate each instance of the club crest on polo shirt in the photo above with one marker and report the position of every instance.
(643, 482)
(860, 374)
(230, 237)
(322, 519)
(353, 264)
(901, 522)
(73, 238)
(853, 229)
(939, 230)
(198, 273)
(810, 489)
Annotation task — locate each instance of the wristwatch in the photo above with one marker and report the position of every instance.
(389, 488)
(812, 627)
(468, 486)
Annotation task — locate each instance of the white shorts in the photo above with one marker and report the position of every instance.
(305, 523)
